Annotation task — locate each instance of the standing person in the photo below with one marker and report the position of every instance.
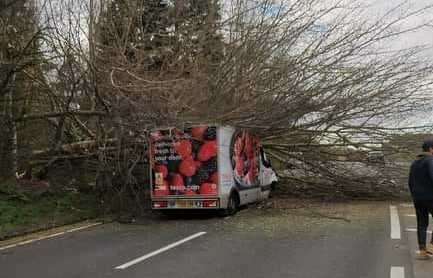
(421, 189)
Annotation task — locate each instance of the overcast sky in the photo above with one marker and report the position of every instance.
(373, 9)
(423, 36)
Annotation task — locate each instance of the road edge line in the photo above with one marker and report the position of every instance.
(49, 236)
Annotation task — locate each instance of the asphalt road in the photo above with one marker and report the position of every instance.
(306, 240)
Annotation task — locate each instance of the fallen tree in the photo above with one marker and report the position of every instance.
(310, 78)
(317, 82)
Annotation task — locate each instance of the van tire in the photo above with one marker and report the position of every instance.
(272, 189)
(232, 205)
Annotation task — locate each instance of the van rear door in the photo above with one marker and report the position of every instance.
(184, 163)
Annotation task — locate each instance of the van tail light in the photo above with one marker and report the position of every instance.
(210, 204)
(159, 204)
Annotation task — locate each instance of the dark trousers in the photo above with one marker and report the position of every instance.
(423, 209)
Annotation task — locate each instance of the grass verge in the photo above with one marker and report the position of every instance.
(21, 214)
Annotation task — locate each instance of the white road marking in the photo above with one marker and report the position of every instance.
(413, 215)
(49, 236)
(396, 272)
(395, 223)
(414, 230)
(161, 250)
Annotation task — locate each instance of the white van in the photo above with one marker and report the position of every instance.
(208, 167)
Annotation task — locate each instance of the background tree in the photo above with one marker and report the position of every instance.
(20, 56)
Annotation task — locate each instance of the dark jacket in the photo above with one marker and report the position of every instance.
(421, 177)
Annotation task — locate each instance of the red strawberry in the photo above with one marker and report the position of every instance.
(208, 189)
(197, 164)
(190, 192)
(177, 182)
(207, 151)
(239, 166)
(249, 147)
(188, 167)
(183, 148)
(214, 178)
(253, 167)
(198, 132)
(162, 169)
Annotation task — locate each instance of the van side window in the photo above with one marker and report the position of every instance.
(265, 161)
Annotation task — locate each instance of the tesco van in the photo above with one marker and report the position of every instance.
(208, 167)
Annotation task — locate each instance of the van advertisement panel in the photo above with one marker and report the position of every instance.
(184, 163)
(244, 152)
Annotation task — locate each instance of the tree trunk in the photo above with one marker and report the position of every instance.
(13, 127)
(9, 138)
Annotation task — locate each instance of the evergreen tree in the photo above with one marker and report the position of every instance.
(198, 21)
(174, 43)
(150, 32)
(137, 28)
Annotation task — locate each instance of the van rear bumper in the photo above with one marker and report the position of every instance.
(202, 203)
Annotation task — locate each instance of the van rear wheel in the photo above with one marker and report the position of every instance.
(232, 205)
(273, 185)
